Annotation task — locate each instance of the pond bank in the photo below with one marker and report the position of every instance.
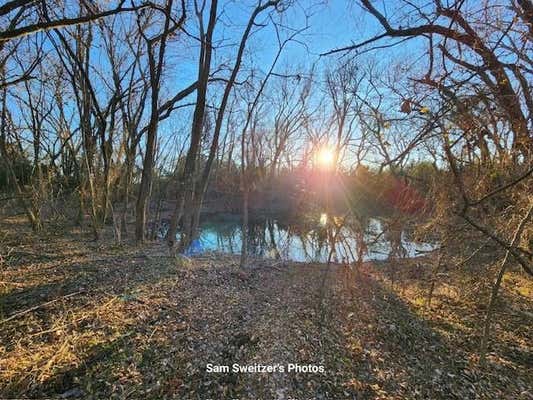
(111, 321)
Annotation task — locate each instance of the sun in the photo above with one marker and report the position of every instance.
(325, 157)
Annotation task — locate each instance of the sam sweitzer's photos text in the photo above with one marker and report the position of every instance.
(265, 368)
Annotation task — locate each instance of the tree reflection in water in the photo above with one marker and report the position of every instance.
(347, 239)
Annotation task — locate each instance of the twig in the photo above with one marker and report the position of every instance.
(39, 306)
(502, 188)
(16, 284)
(473, 254)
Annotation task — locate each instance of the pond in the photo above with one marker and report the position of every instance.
(310, 239)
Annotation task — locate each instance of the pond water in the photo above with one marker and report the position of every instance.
(310, 240)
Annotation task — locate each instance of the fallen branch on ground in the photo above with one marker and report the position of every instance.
(39, 306)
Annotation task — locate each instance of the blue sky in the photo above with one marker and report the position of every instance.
(332, 24)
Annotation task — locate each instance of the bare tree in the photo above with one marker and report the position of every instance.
(156, 46)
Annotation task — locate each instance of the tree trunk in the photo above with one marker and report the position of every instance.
(244, 228)
(143, 199)
(185, 195)
(156, 70)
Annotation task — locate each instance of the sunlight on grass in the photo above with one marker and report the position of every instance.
(42, 355)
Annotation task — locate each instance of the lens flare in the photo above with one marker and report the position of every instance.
(325, 157)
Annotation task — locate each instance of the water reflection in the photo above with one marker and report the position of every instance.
(340, 239)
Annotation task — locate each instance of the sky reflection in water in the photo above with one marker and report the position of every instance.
(306, 242)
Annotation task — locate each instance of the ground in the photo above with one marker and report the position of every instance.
(80, 319)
